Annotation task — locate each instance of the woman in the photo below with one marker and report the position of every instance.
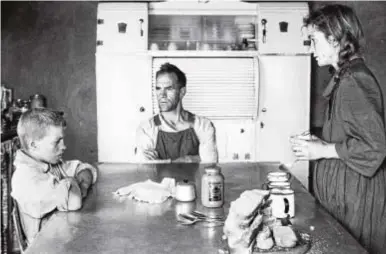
(349, 176)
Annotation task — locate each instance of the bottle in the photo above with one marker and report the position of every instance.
(212, 188)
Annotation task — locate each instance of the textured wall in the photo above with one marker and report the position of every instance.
(373, 17)
(49, 48)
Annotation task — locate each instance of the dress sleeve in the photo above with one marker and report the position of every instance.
(207, 135)
(364, 148)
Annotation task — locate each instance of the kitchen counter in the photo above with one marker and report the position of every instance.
(109, 224)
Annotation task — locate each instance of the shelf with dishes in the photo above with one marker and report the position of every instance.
(206, 33)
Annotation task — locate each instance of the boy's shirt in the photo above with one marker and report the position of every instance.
(38, 188)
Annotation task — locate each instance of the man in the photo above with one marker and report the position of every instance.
(175, 135)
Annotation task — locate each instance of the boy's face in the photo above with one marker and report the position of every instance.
(51, 147)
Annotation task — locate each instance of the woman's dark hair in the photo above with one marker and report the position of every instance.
(343, 25)
(172, 69)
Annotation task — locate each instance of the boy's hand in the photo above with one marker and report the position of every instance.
(84, 179)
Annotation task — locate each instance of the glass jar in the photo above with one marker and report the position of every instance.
(212, 188)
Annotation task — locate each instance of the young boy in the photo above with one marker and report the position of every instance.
(42, 182)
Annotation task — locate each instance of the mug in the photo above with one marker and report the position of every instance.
(283, 203)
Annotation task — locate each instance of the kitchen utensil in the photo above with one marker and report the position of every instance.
(188, 219)
(201, 215)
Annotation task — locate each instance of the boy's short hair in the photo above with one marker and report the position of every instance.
(34, 123)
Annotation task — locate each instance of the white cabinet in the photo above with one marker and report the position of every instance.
(122, 27)
(284, 107)
(123, 100)
(236, 140)
(280, 28)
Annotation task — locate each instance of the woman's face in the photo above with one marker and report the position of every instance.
(325, 51)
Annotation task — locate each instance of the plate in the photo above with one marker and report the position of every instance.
(303, 245)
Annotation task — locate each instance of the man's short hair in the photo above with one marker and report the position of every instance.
(168, 68)
(33, 124)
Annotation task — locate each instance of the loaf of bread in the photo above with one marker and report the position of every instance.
(284, 236)
(264, 239)
(245, 218)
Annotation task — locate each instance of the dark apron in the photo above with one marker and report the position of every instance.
(173, 145)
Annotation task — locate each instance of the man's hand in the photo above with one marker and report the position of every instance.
(151, 154)
(84, 179)
(188, 159)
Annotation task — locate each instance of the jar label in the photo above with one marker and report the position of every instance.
(215, 191)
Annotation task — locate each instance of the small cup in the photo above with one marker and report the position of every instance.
(185, 191)
(205, 46)
(154, 46)
(172, 46)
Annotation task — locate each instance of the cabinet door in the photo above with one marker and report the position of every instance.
(235, 140)
(123, 100)
(284, 108)
(122, 27)
(284, 30)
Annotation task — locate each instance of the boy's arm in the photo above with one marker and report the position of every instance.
(84, 174)
(74, 197)
(40, 194)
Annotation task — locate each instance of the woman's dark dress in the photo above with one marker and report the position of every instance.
(353, 188)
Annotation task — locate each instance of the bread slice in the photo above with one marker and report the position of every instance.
(284, 236)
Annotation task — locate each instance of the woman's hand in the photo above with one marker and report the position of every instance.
(310, 147)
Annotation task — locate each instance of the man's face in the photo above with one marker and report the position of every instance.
(168, 92)
(51, 147)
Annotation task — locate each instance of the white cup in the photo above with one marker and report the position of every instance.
(154, 46)
(185, 191)
(172, 46)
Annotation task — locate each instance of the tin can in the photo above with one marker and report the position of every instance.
(212, 188)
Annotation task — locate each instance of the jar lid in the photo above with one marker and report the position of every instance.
(277, 191)
(279, 184)
(212, 169)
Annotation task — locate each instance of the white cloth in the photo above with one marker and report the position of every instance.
(149, 191)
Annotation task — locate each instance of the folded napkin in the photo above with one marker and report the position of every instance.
(149, 191)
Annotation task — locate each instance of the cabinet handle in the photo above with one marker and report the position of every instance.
(264, 110)
(264, 23)
(261, 125)
(141, 109)
(140, 26)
